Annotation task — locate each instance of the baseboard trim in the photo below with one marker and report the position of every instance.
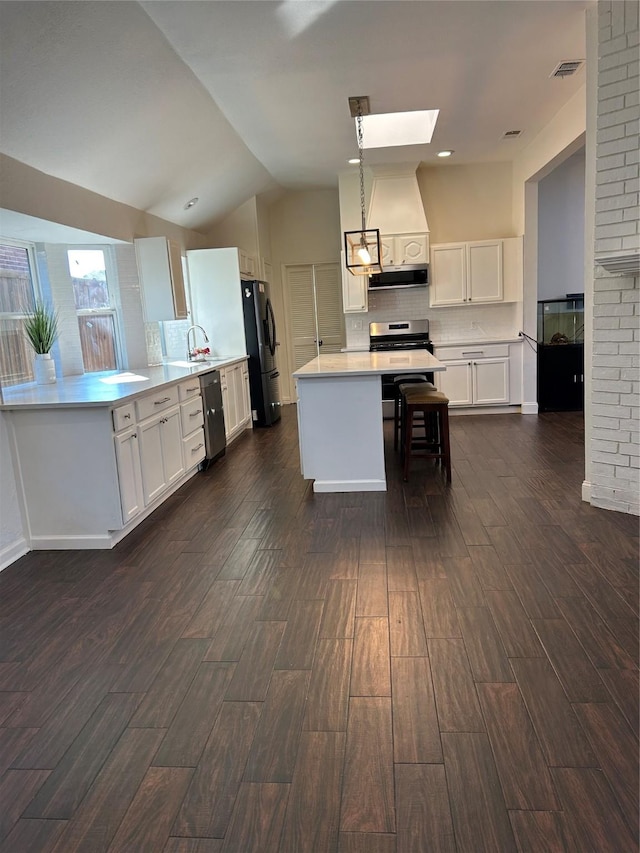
(529, 408)
(586, 491)
(349, 486)
(10, 553)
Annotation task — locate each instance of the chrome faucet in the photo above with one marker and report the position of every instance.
(190, 356)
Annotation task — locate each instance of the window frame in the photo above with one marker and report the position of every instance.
(34, 272)
(113, 288)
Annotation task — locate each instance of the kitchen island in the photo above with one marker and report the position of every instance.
(340, 416)
(95, 454)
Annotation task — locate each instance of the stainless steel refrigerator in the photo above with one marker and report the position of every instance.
(260, 334)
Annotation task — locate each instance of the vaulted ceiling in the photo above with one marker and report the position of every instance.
(154, 103)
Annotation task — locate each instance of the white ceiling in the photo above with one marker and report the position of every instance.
(153, 103)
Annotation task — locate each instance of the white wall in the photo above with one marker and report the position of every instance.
(13, 543)
(561, 229)
(473, 202)
(305, 229)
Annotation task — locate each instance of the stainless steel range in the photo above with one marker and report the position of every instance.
(392, 337)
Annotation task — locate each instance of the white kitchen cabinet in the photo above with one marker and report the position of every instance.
(247, 264)
(402, 249)
(475, 375)
(234, 382)
(354, 290)
(476, 272)
(129, 473)
(161, 279)
(160, 452)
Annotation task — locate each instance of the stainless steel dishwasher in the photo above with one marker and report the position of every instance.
(214, 435)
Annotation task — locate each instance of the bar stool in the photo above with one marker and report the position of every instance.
(434, 408)
(406, 379)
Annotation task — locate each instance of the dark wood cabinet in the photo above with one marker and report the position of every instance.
(560, 377)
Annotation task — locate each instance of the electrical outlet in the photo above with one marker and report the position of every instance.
(356, 325)
(474, 324)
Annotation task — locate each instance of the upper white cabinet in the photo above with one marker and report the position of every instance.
(476, 272)
(402, 249)
(161, 280)
(354, 290)
(247, 263)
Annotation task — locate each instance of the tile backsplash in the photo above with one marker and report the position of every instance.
(459, 323)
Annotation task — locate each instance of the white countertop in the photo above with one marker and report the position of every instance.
(106, 388)
(364, 363)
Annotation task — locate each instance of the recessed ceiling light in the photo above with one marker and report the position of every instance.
(354, 161)
(384, 130)
(191, 203)
(445, 153)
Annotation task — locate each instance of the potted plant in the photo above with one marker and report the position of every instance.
(41, 329)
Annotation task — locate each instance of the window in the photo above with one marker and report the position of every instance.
(91, 272)
(18, 288)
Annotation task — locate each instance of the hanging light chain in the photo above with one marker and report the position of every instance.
(361, 161)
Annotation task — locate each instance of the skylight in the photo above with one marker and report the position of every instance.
(384, 130)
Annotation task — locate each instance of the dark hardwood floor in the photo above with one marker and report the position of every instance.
(258, 668)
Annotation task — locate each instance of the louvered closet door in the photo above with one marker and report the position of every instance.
(315, 309)
(303, 314)
(329, 307)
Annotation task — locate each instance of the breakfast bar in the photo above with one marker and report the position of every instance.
(340, 416)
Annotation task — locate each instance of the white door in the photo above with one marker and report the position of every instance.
(129, 474)
(315, 310)
(171, 435)
(484, 271)
(490, 381)
(449, 275)
(412, 248)
(150, 438)
(456, 382)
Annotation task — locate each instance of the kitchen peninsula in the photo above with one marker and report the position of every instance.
(340, 416)
(95, 454)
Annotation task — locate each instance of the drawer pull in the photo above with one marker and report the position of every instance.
(197, 447)
(194, 414)
(160, 402)
(193, 388)
(476, 353)
(126, 417)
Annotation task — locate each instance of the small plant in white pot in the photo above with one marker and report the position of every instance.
(41, 329)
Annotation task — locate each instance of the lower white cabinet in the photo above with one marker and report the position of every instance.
(160, 452)
(475, 376)
(234, 382)
(129, 473)
(88, 473)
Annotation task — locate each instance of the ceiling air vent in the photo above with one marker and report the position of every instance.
(511, 134)
(567, 68)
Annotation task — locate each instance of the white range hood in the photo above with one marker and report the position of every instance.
(395, 204)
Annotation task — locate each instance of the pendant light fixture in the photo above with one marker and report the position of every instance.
(362, 248)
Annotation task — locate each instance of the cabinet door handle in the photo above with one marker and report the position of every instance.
(160, 402)
(194, 414)
(126, 417)
(134, 435)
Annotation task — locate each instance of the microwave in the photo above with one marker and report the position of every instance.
(405, 276)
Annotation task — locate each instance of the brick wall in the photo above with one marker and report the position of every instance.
(615, 399)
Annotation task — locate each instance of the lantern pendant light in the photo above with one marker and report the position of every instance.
(362, 248)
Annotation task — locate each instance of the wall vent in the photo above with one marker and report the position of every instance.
(511, 134)
(567, 68)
